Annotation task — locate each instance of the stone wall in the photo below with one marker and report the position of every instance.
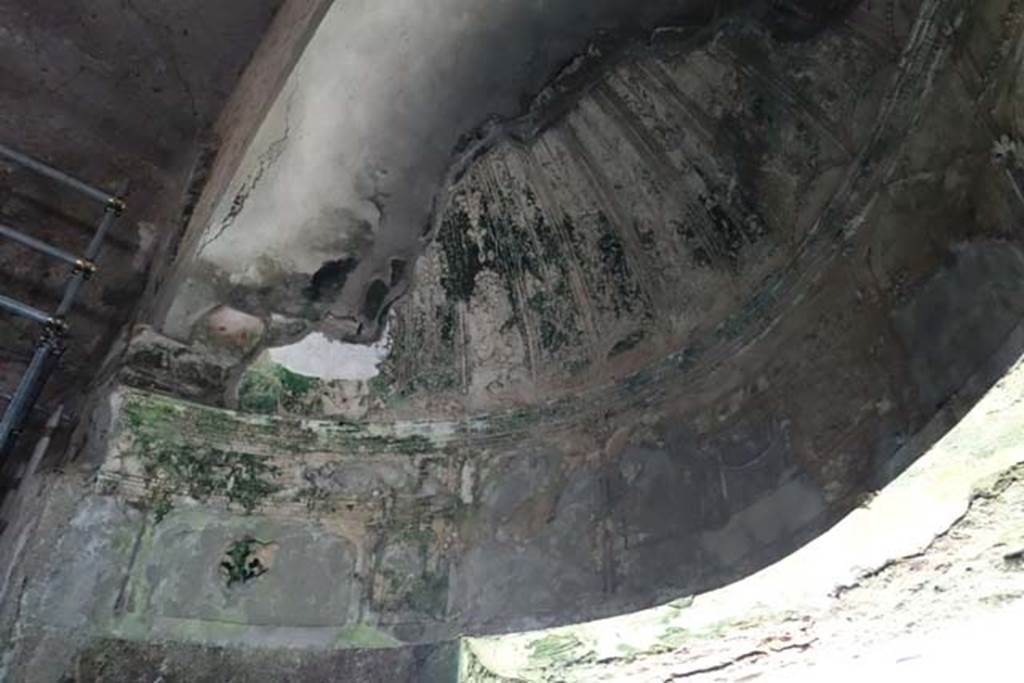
(711, 291)
(675, 322)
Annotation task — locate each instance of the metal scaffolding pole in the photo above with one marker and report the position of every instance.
(59, 176)
(25, 311)
(24, 395)
(24, 240)
(51, 343)
(91, 252)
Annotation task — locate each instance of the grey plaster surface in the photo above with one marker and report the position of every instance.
(308, 583)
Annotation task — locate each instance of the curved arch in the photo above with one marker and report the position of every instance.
(675, 320)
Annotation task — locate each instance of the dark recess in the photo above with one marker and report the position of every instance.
(375, 300)
(796, 20)
(328, 282)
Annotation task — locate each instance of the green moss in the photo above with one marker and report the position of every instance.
(511, 243)
(446, 315)
(422, 359)
(294, 384)
(260, 391)
(242, 565)
(461, 255)
(202, 472)
(219, 422)
(269, 388)
(149, 413)
(242, 478)
(191, 450)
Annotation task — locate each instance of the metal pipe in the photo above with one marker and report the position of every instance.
(44, 248)
(23, 394)
(26, 311)
(109, 216)
(59, 176)
(51, 342)
(91, 252)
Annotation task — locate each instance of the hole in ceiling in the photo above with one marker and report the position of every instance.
(318, 356)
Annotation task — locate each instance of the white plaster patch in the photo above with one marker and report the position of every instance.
(318, 356)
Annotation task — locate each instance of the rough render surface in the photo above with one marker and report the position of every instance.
(672, 323)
